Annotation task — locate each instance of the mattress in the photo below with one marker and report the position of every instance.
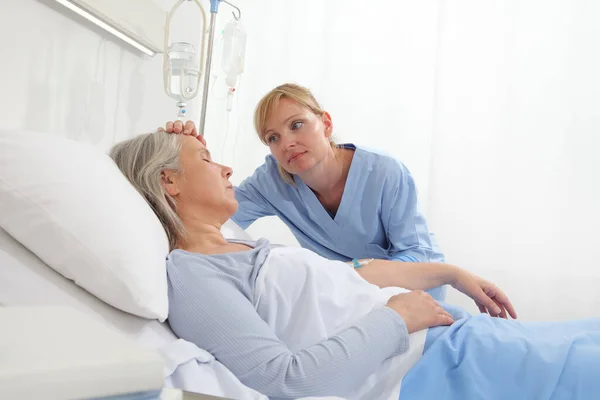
(27, 280)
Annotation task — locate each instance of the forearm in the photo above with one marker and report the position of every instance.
(408, 275)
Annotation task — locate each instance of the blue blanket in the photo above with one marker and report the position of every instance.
(480, 357)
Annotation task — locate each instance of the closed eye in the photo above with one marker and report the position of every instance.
(206, 155)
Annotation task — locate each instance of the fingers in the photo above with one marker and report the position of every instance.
(448, 315)
(485, 310)
(474, 287)
(444, 319)
(190, 129)
(482, 298)
(482, 309)
(443, 316)
(178, 127)
(502, 300)
(503, 313)
(493, 311)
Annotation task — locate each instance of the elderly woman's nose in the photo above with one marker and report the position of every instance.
(227, 171)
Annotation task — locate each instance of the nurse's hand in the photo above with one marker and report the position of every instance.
(178, 127)
(419, 310)
(487, 296)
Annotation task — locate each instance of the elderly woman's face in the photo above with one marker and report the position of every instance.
(201, 182)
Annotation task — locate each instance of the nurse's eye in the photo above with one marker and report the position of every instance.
(297, 125)
(272, 139)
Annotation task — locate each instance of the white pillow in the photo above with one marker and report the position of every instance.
(70, 205)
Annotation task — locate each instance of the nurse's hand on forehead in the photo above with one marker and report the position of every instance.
(178, 127)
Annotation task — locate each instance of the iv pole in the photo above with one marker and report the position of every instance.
(189, 93)
(214, 9)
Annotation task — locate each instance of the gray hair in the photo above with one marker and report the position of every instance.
(142, 160)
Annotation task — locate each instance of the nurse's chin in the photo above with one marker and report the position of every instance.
(299, 166)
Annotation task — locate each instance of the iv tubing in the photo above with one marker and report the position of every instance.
(214, 9)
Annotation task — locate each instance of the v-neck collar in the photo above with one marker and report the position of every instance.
(316, 210)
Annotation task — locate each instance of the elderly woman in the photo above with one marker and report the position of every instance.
(290, 323)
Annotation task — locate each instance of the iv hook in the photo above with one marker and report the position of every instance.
(239, 15)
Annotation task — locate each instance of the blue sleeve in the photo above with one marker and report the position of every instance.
(252, 203)
(406, 227)
(216, 316)
(404, 257)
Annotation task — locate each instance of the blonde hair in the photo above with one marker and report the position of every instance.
(269, 103)
(142, 160)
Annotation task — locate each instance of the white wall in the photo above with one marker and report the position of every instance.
(515, 183)
(61, 76)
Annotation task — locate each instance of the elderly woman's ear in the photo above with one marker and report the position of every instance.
(169, 183)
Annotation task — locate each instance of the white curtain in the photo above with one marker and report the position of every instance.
(515, 179)
(494, 106)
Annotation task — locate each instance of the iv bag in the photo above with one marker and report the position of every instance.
(183, 71)
(234, 51)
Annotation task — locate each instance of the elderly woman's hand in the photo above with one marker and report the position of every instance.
(487, 296)
(419, 310)
(178, 127)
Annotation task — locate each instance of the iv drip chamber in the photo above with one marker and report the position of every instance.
(183, 71)
(234, 51)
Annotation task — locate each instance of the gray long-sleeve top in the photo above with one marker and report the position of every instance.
(212, 304)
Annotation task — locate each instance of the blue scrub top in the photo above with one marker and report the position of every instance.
(378, 216)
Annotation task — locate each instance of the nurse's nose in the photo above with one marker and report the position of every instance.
(288, 141)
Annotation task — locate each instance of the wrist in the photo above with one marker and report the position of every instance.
(453, 275)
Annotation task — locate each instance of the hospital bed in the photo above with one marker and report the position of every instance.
(69, 205)
(26, 280)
